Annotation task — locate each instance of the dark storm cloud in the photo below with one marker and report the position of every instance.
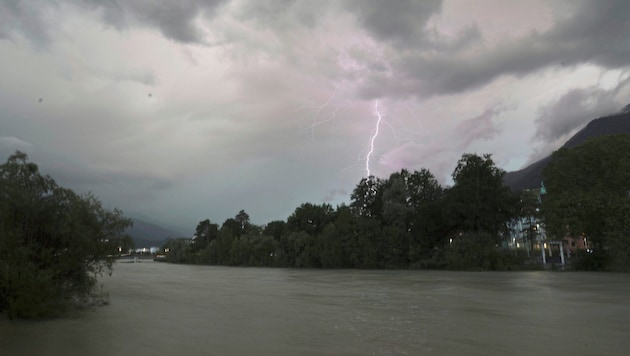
(574, 109)
(597, 32)
(25, 18)
(283, 14)
(174, 19)
(400, 21)
(589, 32)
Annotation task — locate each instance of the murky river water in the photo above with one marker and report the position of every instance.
(164, 309)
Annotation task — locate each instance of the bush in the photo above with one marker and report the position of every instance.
(478, 251)
(53, 243)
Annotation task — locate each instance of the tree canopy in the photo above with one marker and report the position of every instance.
(588, 196)
(54, 243)
(404, 221)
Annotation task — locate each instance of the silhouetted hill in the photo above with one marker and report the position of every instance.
(146, 234)
(531, 176)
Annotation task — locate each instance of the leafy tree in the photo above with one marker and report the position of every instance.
(310, 218)
(221, 247)
(242, 218)
(204, 234)
(239, 225)
(396, 216)
(365, 198)
(53, 243)
(423, 188)
(275, 229)
(178, 250)
(330, 247)
(479, 202)
(588, 195)
(428, 224)
(396, 200)
(345, 235)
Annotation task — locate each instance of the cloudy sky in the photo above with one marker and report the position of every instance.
(192, 109)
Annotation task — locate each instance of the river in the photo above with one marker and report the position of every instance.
(165, 309)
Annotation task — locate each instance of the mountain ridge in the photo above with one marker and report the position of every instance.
(148, 234)
(531, 176)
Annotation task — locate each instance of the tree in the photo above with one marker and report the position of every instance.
(428, 223)
(178, 250)
(310, 218)
(275, 229)
(204, 234)
(588, 195)
(242, 218)
(366, 197)
(396, 216)
(53, 243)
(239, 225)
(479, 202)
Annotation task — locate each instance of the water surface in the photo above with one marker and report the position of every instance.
(159, 308)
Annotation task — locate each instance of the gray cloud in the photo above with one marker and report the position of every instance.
(573, 110)
(562, 118)
(175, 19)
(282, 15)
(27, 18)
(478, 127)
(594, 32)
(10, 144)
(401, 22)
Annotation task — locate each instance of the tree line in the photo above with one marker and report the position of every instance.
(410, 221)
(405, 221)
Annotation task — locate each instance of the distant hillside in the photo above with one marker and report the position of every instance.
(531, 176)
(146, 234)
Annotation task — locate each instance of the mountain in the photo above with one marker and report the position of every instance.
(531, 176)
(147, 234)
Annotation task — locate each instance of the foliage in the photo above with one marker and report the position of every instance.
(205, 233)
(479, 202)
(588, 195)
(399, 222)
(53, 243)
(478, 251)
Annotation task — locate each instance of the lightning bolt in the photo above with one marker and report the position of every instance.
(376, 130)
(316, 121)
(318, 115)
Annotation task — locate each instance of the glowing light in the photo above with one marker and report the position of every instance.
(376, 130)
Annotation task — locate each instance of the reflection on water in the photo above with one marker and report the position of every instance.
(159, 308)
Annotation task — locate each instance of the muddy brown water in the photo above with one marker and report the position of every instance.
(165, 309)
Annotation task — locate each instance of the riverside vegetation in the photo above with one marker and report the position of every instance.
(54, 243)
(410, 221)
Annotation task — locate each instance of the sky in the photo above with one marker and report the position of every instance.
(178, 111)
